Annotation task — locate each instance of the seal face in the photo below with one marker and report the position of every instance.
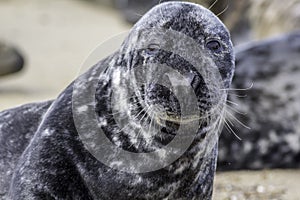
(150, 45)
(172, 71)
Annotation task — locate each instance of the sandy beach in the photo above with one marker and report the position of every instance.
(56, 36)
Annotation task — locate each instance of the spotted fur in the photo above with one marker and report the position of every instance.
(55, 164)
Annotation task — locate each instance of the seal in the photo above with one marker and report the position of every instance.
(273, 65)
(141, 105)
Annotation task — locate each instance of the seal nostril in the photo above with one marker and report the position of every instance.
(198, 85)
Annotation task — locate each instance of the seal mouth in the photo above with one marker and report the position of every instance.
(175, 118)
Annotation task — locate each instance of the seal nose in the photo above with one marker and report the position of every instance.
(198, 84)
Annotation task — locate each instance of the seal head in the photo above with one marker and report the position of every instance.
(175, 46)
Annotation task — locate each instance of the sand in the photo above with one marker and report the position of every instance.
(56, 36)
(258, 185)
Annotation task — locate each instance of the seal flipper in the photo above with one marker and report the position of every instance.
(53, 176)
(47, 167)
(17, 127)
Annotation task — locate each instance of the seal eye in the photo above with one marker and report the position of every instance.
(152, 48)
(213, 45)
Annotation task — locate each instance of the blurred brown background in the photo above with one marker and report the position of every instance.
(55, 37)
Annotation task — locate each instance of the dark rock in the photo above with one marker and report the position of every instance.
(11, 60)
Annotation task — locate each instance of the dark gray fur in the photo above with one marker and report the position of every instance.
(272, 106)
(54, 163)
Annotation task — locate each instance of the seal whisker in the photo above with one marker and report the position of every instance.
(236, 95)
(237, 89)
(224, 10)
(231, 102)
(146, 112)
(230, 122)
(228, 127)
(233, 117)
(141, 128)
(140, 131)
(212, 5)
(134, 118)
(138, 14)
(143, 110)
(134, 104)
(235, 110)
(150, 116)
